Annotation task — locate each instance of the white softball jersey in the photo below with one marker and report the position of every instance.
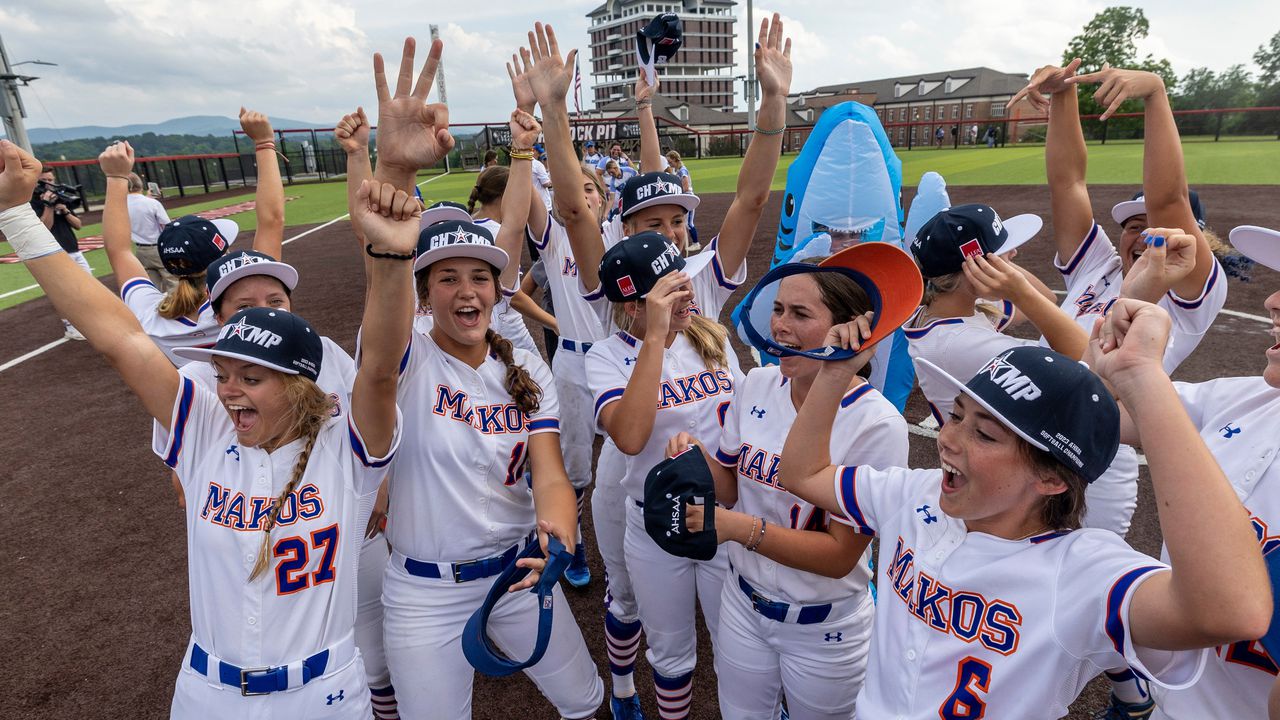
(711, 289)
(691, 398)
(306, 600)
(457, 489)
(1238, 420)
(1093, 277)
(868, 430)
(142, 297)
(972, 625)
(958, 345)
(577, 321)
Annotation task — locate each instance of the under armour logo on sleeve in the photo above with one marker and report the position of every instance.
(758, 412)
(833, 637)
(928, 518)
(1228, 431)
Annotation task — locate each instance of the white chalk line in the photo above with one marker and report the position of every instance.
(41, 350)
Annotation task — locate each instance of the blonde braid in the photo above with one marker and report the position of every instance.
(315, 408)
(524, 391)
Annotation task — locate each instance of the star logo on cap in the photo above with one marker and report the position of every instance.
(994, 367)
(237, 330)
(461, 236)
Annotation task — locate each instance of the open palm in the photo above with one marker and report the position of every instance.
(549, 75)
(412, 134)
(773, 58)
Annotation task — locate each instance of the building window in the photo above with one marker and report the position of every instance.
(997, 110)
(968, 112)
(928, 113)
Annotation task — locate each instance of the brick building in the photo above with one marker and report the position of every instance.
(700, 74)
(912, 107)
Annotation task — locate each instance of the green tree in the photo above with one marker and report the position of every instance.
(1110, 38)
(1203, 88)
(1268, 59)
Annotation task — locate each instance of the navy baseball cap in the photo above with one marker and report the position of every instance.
(189, 244)
(655, 188)
(659, 41)
(476, 645)
(886, 274)
(630, 269)
(444, 211)
(270, 337)
(958, 233)
(1053, 402)
(590, 143)
(1137, 205)
(243, 263)
(671, 485)
(458, 238)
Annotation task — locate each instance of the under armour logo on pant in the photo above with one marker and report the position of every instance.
(629, 360)
(833, 637)
(1228, 431)
(332, 698)
(758, 412)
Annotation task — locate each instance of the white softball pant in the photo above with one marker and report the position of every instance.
(423, 621)
(338, 695)
(609, 516)
(819, 667)
(1111, 499)
(667, 588)
(577, 421)
(373, 564)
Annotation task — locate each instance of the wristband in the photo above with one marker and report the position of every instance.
(368, 249)
(24, 231)
(754, 542)
(120, 177)
(521, 154)
(779, 131)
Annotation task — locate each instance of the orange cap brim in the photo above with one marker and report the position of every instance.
(891, 275)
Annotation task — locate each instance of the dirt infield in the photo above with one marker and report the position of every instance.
(95, 607)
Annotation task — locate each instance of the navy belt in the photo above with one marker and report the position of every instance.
(774, 610)
(465, 571)
(572, 346)
(257, 681)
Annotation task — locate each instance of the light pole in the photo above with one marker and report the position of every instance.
(11, 108)
(751, 69)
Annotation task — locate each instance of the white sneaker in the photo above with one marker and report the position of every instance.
(72, 333)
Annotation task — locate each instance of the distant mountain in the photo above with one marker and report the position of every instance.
(193, 125)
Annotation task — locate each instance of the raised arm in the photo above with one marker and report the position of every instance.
(650, 148)
(412, 134)
(773, 69)
(390, 219)
(1164, 178)
(549, 76)
(116, 163)
(515, 199)
(97, 312)
(993, 276)
(269, 197)
(1065, 156)
(352, 134)
(1185, 608)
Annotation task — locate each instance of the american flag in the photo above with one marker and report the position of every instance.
(577, 88)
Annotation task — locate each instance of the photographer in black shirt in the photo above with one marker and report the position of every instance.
(54, 204)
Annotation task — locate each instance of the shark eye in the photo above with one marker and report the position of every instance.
(789, 205)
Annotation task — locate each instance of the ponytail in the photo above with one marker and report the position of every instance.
(185, 298)
(313, 408)
(490, 185)
(525, 393)
(708, 338)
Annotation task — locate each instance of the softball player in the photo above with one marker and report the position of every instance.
(182, 318)
(1237, 420)
(272, 611)
(796, 612)
(685, 360)
(957, 634)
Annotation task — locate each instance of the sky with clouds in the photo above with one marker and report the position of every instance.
(134, 61)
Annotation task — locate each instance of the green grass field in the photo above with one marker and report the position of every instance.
(1238, 162)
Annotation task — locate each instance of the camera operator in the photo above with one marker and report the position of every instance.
(52, 203)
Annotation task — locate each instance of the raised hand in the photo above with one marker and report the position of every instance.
(1117, 85)
(19, 171)
(388, 217)
(1046, 81)
(1170, 256)
(851, 335)
(352, 131)
(518, 72)
(671, 292)
(412, 134)
(644, 91)
(549, 75)
(117, 159)
(773, 58)
(1128, 342)
(524, 130)
(256, 126)
(995, 278)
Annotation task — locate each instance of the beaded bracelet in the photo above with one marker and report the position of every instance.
(779, 131)
(752, 545)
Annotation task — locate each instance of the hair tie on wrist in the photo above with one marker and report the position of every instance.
(368, 249)
(120, 177)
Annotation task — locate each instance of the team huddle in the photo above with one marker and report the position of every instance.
(365, 532)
